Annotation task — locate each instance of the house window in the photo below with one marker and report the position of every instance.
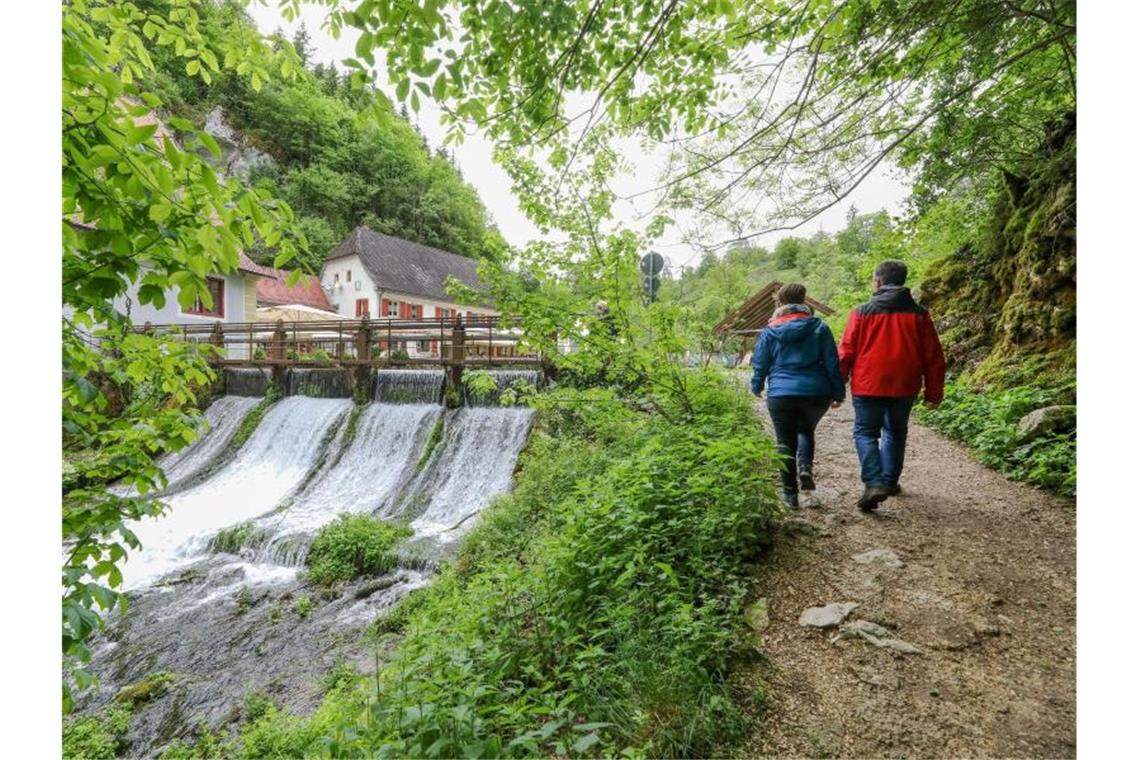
(336, 278)
(217, 288)
(393, 308)
(423, 346)
(348, 276)
(362, 307)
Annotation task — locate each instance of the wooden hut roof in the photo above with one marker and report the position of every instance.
(751, 316)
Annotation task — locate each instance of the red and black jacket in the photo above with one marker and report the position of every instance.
(890, 348)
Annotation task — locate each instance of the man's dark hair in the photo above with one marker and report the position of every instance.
(891, 272)
(793, 292)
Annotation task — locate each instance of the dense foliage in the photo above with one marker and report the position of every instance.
(986, 420)
(137, 207)
(596, 610)
(353, 546)
(339, 155)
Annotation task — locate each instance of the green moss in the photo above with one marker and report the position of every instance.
(304, 607)
(154, 685)
(430, 444)
(231, 540)
(353, 546)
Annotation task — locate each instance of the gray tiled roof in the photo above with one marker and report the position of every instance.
(403, 266)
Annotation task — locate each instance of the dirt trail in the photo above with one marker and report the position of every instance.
(986, 590)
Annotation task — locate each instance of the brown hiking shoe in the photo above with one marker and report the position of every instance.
(872, 497)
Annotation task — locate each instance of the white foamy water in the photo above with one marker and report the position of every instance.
(223, 417)
(472, 464)
(381, 457)
(270, 465)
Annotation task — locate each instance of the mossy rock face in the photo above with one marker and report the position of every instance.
(154, 685)
(1013, 298)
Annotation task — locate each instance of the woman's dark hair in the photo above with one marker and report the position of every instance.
(793, 292)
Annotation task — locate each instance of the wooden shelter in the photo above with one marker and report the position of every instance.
(749, 318)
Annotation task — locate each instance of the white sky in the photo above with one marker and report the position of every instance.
(473, 156)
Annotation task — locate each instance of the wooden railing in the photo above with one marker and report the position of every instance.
(448, 341)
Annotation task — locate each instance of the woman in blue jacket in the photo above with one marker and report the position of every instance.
(797, 357)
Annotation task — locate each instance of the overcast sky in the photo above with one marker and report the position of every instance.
(880, 190)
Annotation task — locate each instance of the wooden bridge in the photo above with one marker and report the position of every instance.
(453, 343)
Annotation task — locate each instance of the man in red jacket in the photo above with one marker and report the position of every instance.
(889, 351)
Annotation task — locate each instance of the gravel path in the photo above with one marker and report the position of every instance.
(986, 590)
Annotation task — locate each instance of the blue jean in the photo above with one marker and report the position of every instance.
(880, 436)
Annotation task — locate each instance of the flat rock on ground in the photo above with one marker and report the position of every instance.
(987, 593)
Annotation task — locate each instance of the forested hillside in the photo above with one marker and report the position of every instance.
(339, 156)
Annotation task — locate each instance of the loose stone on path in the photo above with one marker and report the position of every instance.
(882, 556)
(875, 635)
(827, 616)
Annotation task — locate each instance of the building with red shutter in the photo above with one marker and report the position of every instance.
(374, 275)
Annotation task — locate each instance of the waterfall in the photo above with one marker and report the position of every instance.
(504, 378)
(222, 417)
(274, 461)
(471, 465)
(247, 382)
(318, 383)
(371, 470)
(232, 624)
(406, 386)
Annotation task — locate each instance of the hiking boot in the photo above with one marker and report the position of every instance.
(807, 482)
(791, 499)
(872, 497)
(894, 489)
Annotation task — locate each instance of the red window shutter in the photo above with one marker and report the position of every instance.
(435, 346)
(469, 317)
(383, 307)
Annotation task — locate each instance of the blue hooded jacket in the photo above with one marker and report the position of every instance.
(797, 356)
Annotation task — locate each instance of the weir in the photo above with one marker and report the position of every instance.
(318, 383)
(404, 386)
(472, 464)
(272, 463)
(227, 622)
(369, 473)
(247, 381)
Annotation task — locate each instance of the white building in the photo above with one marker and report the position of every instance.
(379, 276)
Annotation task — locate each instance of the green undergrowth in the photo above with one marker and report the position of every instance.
(595, 611)
(98, 737)
(353, 546)
(985, 419)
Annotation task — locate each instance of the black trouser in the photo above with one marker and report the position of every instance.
(795, 418)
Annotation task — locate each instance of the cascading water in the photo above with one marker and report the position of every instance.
(470, 466)
(228, 625)
(223, 417)
(407, 386)
(504, 379)
(247, 382)
(318, 383)
(272, 463)
(369, 473)
(220, 421)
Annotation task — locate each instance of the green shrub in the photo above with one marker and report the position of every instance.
(987, 422)
(597, 609)
(353, 546)
(96, 737)
(303, 607)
